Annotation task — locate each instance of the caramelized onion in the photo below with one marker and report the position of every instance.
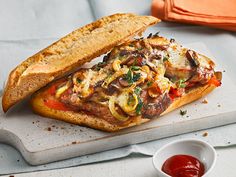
(127, 101)
(116, 65)
(117, 74)
(112, 107)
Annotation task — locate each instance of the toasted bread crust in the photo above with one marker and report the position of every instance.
(101, 124)
(70, 52)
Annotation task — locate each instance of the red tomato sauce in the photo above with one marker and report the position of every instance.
(183, 166)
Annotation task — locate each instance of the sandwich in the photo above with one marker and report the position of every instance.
(138, 80)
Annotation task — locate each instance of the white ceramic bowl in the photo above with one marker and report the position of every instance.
(196, 148)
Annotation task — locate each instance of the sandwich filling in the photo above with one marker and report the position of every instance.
(139, 78)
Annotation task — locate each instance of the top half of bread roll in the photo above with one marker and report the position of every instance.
(70, 52)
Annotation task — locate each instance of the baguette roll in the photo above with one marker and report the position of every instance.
(137, 81)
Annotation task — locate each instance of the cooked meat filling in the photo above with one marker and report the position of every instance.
(139, 78)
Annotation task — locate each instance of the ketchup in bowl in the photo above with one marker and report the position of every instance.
(183, 166)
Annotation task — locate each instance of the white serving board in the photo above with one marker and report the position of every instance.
(30, 135)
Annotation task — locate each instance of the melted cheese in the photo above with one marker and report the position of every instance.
(177, 57)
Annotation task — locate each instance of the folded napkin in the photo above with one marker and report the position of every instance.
(214, 13)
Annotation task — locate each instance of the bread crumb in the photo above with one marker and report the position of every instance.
(49, 129)
(205, 134)
(204, 101)
(74, 142)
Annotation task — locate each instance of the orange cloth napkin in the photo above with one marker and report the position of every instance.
(214, 13)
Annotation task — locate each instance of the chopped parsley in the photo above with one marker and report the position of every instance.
(173, 79)
(165, 59)
(181, 83)
(129, 77)
(135, 68)
(78, 80)
(131, 100)
(131, 45)
(135, 62)
(183, 112)
(139, 106)
(99, 65)
(140, 48)
(149, 83)
(136, 77)
(137, 90)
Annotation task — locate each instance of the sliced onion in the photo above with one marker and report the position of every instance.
(116, 65)
(129, 89)
(117, 74)
(146, 69)
(112, 107)
(123, 102)
(62, 89)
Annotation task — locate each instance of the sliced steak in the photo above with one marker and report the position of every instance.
(153, 107)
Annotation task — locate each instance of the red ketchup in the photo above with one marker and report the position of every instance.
(183, 166)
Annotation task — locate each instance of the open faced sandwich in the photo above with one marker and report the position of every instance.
(138, 80)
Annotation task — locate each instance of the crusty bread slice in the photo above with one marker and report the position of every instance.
(39, 107)
(70, 52)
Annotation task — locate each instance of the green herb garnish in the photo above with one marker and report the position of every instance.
(139, 106)
(149, 83)
(137, 90)
(135, 68)
(141, 48)
(136, 77)
(173, 79)
(165, 59)
(131, 100)
(181, 83)
(78, 80)
(129, 77)
(183, 112)
(100, 65)
(131, 45)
